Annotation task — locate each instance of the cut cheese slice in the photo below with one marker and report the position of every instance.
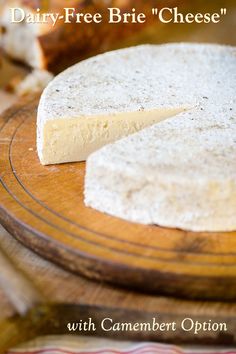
(105, 98)
(74, 139)
(180, 173)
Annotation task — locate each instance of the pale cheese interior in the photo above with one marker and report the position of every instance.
(74, 139)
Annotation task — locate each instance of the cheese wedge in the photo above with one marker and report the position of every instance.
(105, 98)
(180, 173)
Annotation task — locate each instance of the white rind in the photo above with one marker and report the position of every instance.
(180, 173)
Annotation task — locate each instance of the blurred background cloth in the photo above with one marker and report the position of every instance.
(89, 345)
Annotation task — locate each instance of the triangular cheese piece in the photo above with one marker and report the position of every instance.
(107, 97)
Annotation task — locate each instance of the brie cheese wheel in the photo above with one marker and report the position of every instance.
(181, 172)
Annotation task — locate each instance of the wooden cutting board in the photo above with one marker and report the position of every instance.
(43, 208)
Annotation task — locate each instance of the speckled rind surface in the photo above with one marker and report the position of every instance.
(121, 81)
(181, 172)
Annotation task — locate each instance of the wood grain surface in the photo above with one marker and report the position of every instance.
(71, 297)
(43, 207)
